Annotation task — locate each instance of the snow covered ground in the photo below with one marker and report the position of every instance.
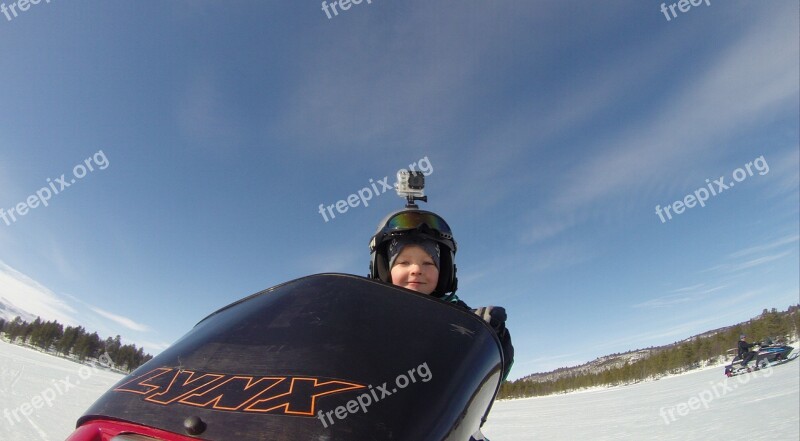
(702, 405)
(42, 396)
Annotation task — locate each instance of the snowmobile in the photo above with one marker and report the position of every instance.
(769, 354)
(323, 357)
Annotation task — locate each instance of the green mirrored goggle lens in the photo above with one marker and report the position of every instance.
(410, 220)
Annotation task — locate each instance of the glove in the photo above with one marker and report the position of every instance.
(495, 316)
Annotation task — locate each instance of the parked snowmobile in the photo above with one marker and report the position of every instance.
(324, 357)
(769, 354)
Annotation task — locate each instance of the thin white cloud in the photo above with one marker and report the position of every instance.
(548, 363)
(642, 158)
(410, 79)
(746, 83)
(677, 332)
(786, 168)
(689, 288)
(682, 295)
(741, 266)
(547, 258)
(31, 296)
(124, 321)
(758, 261)
(732, 300)
(472, 277)
(664, 301)
(711, 269)
(545, 228)
(710, 290)
(153, 348)
(550, 357)
(761, 248)
(559, 256)
(64, 264)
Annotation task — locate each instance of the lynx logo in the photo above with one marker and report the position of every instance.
(240, 393)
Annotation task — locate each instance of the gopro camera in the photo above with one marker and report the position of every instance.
(411, 185)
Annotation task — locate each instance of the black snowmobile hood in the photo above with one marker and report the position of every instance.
(324, 357)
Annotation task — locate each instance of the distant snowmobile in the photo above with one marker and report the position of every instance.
(769, 354)
(324, 357)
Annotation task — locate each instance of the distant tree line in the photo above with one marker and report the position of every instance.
(73, 341)
(676, 358)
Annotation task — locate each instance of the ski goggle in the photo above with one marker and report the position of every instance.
(409, 220)
(416, 220)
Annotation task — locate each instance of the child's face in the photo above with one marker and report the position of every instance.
(414, 269)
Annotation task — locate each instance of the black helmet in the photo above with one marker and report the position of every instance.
(423, 224)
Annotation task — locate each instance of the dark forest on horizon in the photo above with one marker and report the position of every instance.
(671, 359)
(74, 341)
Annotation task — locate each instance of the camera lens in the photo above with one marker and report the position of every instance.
(416, 181)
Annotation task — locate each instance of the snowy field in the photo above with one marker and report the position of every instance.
(695, 406)
(42, 397)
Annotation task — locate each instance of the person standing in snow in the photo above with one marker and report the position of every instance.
(415, 249)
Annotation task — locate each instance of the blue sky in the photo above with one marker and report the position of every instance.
(553, 130)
